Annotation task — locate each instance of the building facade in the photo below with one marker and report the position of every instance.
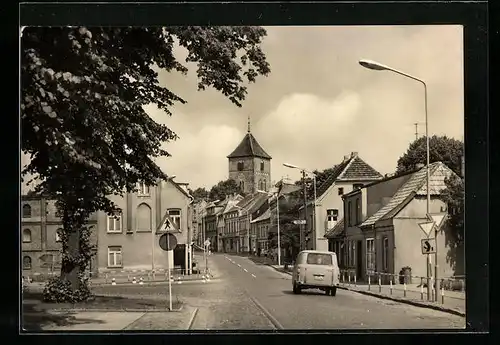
(250, 165)
(382, 234)
(41, 247)
(351, 173)
(130, 240)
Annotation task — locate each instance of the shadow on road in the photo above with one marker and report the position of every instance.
(34, 319)
(306, 292)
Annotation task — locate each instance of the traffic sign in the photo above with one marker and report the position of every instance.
(166, 224)
(437, 218)
(168, 241)
(300, 221)
(207, 243)
(427, 228)
(428, 246)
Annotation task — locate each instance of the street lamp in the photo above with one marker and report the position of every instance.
(278, 219)
(304, 171)
(380, 67)
(153, 237)
(248, 221)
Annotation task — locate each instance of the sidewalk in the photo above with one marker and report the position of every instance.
(454, 301)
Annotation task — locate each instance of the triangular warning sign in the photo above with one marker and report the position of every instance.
(426, 227)
(437, 218)
(166, 224)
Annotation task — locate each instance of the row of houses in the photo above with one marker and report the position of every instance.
(369, 220)
(127, 241)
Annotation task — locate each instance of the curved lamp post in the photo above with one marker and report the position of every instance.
(380, 67)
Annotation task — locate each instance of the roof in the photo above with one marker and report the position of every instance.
(264, 216)
(415, 185)
(249, 147)
(251, 202)
(336, 230)
(353, 168)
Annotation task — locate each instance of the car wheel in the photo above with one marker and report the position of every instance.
(296, 289)
(333, 291)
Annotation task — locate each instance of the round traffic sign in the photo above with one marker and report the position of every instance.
(172, 241)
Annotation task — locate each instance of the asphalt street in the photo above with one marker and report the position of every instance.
(246, 295)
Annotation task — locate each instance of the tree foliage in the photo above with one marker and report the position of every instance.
(289, 232)
(441, 148)
(223, 188)
(83, 121)
(199, 194)
(454, 197)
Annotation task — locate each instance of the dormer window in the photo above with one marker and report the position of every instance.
(240, 165)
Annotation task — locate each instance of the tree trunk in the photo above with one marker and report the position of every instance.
(69, 270)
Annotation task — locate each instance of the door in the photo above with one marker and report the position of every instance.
(359, 259)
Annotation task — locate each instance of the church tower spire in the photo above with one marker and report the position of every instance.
(248, 123)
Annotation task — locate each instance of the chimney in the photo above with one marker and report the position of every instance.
(346, 158)
(354, 154)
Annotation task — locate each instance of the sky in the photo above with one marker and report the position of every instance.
(318, 104)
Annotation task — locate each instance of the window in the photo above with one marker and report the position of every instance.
(143, 189)
(242, 186)
(26, 263)
(240, 166)
(115, 223)
(332, 215)
(143, 218)
(115, 256)
(358, 211)
(58, 234)
(349, 214)
(341, 190)
(370, 255)
(262, 165)
(175, 216)
(26, 236)
(26, 211)
(319, 259)
(349, 253)
(386, 253)
(357, 186)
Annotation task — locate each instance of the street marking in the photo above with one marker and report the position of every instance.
(239, 265)
(191, 322)
(245, 270)
(253, 275)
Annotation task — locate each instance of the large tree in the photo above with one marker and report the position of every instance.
(454, 196)
(289, 232)
(199, 194)
(224, 188)
(83, 121)
(441, 148)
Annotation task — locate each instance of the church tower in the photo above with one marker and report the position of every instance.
(250, 165)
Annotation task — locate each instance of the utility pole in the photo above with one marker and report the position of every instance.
(302, 237)
(416, 130)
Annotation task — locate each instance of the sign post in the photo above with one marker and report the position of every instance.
(427, 228)
(206, 246)
(168, 242)
(438, 219)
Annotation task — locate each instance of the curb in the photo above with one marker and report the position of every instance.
(395, 299)
(103, 310)
(177, 282)
(406, 301)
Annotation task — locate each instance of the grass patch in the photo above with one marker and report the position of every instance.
(35, 301)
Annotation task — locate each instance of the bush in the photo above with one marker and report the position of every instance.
(59, 291)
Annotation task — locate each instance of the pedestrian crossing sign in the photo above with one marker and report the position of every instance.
(167, 225)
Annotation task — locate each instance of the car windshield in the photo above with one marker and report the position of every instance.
(319, 259)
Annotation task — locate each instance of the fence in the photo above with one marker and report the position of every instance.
(408, 286)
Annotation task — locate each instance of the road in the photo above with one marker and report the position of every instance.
(246, 295)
